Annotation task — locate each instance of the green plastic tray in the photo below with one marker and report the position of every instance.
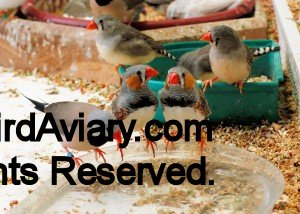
(258, 101)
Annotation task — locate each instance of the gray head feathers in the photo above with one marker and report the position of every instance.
(136, 69)
(225, 38)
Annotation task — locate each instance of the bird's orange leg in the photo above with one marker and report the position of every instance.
(240, 85)
(167, 142)
(121, 151)
(151, 143)
(77, 161)
(202, 142)
(99, 153)
(208, 82)
(118, 138)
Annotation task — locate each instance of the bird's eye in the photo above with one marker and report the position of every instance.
(183, 75)
(217, 41)
(139, 73)
(100, 21)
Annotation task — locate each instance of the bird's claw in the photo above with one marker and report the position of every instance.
(201, 146)
(151, 143)
(70, 155)
(121, 152)
(208, 82)
(240, 85)
(167, 142)
(100, 153)
(202, 142)
(77, 161)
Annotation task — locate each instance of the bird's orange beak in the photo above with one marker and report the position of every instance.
(207, 37)
(151, 72)
(92, 26)
(173, 79)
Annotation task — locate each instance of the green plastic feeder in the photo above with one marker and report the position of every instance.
(259, 100)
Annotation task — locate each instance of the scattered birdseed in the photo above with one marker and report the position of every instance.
(295, 8)
(262, 78)
(10, 92)
(192, 199)
(278, 142)
(271, 21)
(52, 91)
(13, 203)
(152, 14)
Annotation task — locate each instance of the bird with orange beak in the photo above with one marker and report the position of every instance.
(225, 55)
(121, 44)
(135, 100)
(230, 59)
(181, 100)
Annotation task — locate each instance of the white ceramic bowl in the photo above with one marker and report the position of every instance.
(244, 183)
(10, 4)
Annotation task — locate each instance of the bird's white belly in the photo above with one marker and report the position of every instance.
(142, 117)
(230, 71)
(113, 56)
(181, 114)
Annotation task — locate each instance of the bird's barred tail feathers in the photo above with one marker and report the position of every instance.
(264, 50)
(167, 54)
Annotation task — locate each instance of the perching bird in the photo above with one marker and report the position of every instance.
(135, 100)
(68, 112)
(230, 59)
(181, 99)
(195, 8)
(197, 61)
(120, 44)
(123, 10)
(78, 8)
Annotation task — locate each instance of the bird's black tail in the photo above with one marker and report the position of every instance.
(37, 105)
(167, 54)
(264, 50)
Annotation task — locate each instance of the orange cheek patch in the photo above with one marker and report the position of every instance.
(189, 81)
(134, 82)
